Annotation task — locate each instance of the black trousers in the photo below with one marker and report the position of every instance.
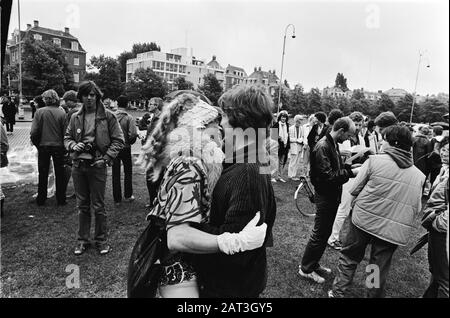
(124, 156)
(57, 154)
(9, 127)
(438, 263)
(326, 209)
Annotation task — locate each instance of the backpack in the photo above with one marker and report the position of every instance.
(144, 267)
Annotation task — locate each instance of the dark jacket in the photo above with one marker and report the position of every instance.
(9, 111)
(421, 147)
(151, 126)
(313, 138)
(48, 127)
(328, 173)
(108, 137)
(128, 126)
(240, 192)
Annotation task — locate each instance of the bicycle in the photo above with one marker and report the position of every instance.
(304, 198)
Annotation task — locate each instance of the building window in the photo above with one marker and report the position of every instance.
(76, 61)
(57, 41)
(76, 77)
(37, 37)
(74, 46)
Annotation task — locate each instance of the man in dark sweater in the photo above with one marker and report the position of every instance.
(328, 174)
(47, 134)
(242, 190)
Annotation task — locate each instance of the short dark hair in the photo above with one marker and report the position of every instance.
(398, 136)
(321, 116)
(385, 119)
(122, 101)
(437, 130)
(344, 122)
(86, 87)
(39, 101)
(356, 116)
(247, 106)
(443, 142)
(371, 124)
(334, 115)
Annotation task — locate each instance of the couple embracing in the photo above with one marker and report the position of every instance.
(218, 203)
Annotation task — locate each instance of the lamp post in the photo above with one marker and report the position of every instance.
(415, 85)
(282, 64)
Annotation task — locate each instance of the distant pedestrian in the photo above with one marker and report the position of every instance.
(421, 147)
(333, 115)
(284, 144)
(4, 146)
(318, 131)
(94, 138)
(155, 106)
(47, 134)
(33, 108)
(127, 123)
(296, 148)
(9, 112)
(434, 159)
(386, 200)
(306, 151)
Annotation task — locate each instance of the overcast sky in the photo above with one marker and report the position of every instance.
(375, 44)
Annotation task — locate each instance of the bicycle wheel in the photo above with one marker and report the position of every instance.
(303, 201)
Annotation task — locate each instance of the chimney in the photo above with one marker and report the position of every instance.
(214, 57)
(273, 72)
(66, 30)
(253, 70)
(28, 26)
(36, 23)
(259, 69)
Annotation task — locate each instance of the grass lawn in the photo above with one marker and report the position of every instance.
(37, 245)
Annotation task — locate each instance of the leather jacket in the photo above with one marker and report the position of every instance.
(328, 173)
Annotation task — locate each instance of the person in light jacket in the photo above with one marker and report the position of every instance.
(296, 149)
(387, 196)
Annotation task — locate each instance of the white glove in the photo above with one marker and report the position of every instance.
(250, 238)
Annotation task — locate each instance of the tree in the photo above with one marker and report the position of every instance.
(44, 67)
(286, 84)
(108, 76)
(327, 104)
(314, 104)
(341, 82)
(358, 94)
(135, 50)
(181, 84)
(298, 103)
(285, 97)
(211, 88)
(145, 85)
(344, 105)
(403, 109)
(385, 104)
(431, 110)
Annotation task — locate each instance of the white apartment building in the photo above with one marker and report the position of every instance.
(178, 63)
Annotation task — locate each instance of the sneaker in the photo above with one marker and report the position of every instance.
(273, 180)
(281, 180)
(103, 248)
(130, 199)
(81, 248)
(312, 276)
(295, 179)
(330, 294)
(323, 270)
(335, 245)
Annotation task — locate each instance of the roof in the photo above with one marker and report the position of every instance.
(263, 74)
(52, 32)
(396, 91)
(235, 68)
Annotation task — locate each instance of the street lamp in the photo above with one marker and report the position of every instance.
(282, 64)
(415, 85)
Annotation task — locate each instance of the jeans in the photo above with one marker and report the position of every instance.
(90, 184)
(124, 156)
(437, 259)
(9, 127)
(352, 253)
(326, 207)
(57, 154)
(295, 164)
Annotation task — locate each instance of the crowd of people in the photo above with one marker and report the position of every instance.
(369, 178)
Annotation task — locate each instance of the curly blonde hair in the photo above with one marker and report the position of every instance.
(168, 139)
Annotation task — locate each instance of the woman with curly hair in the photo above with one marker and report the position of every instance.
(185, 148)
